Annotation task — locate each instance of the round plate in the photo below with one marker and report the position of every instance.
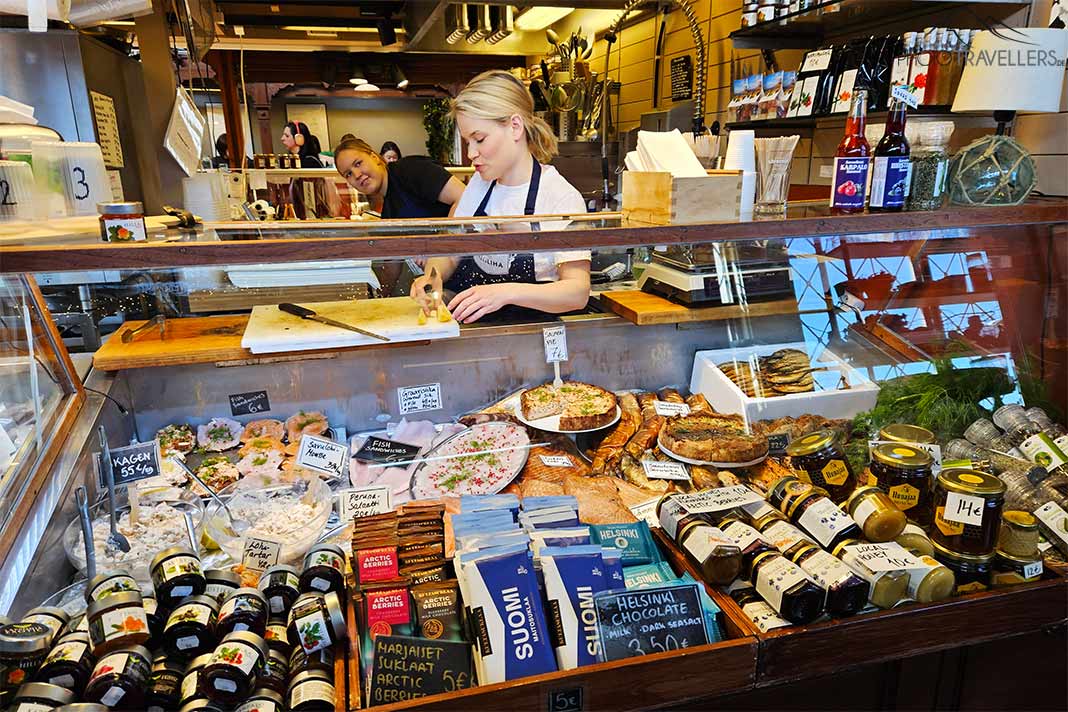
(552, 423)
(446, 448)
(691, 461)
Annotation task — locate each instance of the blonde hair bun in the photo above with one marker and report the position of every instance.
(497, 95)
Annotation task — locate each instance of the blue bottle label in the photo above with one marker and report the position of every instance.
(890, 181)
(850, 182)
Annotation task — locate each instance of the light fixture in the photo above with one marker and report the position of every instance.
(503, 23)
(456, 22)
(366, 87)
(538, 18)
(400, 77)
(358, 77)
(328, 28)
(478, 17)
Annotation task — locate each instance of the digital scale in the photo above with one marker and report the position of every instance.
(718, 273)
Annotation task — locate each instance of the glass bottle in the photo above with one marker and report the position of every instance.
(850, 180)
(787, 588)
(822, 519)
(929, 60)
(1036, 445)
(891, 168)
(930, 167)
(899, 68)
(824, 101)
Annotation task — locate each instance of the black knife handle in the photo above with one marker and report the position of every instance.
(296, 310)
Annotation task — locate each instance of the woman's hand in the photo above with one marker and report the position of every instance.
(422, 296)
(472, 304)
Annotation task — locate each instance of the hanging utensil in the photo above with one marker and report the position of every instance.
(116, 540)
(554, 39)
(238, 526)
(191, 532)
(87, 532)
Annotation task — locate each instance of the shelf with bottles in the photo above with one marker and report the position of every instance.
(805, 122)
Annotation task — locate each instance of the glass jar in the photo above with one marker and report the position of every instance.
(875, 514)
(77, 622)
(122, 222)
(822, 519)
(51, 617)
(201, 704)
(888, 588)
(276, 672)
(176, 574)
(972, 572)
(322, 660)
(985, 434)
(190, 629)
(117, 621)
(904, 473)
(1046, 424)
(324, 570)
(673, 516)
(709, 548)
(1010, 570)
(931, 582)
(277, 635)
(243, 610)
(156, 620)
(120, 678)
(23, 648)
(69, 664)
(761, 513)
(311, 691)
(747, 540)
(40, 696)
(847, 592)
(263, 700)
(166, 688)
(1018, 535)
(281, 585)
(236, 664)
(316, 621)
(103, 585)
(759, 613)
(786, 588)
(784, 536)
(908, 434)
(766, 10)
(819, 457)
(83, 707)
(220, 583)
(191, 681)
(967, 511)
(930, 166)
(777, 493)
(916, 541)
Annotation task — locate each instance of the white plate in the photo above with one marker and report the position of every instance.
(552, 423)
(691, 461)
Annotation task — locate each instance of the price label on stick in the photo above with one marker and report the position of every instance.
(261, 553)
(135, 462)
(323, 455)
(903, 95)
(555, 342)
(359, 502)
(556, 461)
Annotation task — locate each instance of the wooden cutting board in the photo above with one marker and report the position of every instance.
(641, 308)
(271, 331)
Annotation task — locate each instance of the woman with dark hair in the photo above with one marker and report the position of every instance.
(390, 152)
(300, 141)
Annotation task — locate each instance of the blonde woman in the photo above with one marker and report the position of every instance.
(509, 148)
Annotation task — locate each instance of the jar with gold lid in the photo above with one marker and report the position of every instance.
(819, 458)
(1018, 535)
(748, 541)
(905, 433)
(916, 541)
(783, 535)
(968, 507)
(1009, 570)
(777, 492)
(673, 516)
(875, 514)
(822, 519)
(762, 513)
(931, 582)
(904, 472)
(888, 588)
(972, 572)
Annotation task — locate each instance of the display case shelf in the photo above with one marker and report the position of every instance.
(811, 122)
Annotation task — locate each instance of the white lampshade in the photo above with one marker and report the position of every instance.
(1020, 70)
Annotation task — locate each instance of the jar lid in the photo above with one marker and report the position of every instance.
(761, 557)
(128, 583)
(52, 611)
(222, 576)
(131, 208)
(201, 704)
(253, 592)
(804, 546)
(325, 546)
(837, 551)
(941, 552)
(1012, 558)
(83, 707)
(115, 600)
(278, 569)
(337, 615)
(44, 691)
(202, 600)
(267, 694)
(970, 482)
(813, 442)
(310, 675)
(688, 527)
(249, 638)
(198, 662)
(901, 455)
(803, 497)
(1019, 519)
(25, 638)
(168, 553)
(904, 433)
(777, 487)
(278, 655)
(138, 650)
(857, 494)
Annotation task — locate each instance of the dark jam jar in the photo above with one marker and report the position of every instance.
(281, 585)
(777, 492)
(263, 700)
(176, 574)
(221, 583)
(904, 472)
(822, 519)
(190, 689)
(55, 619)
(166, 687)
(311, 691)
(819, 457)
(968, 507)
(156, 618)
(103, 585)
(190, 629)
(243, 610)
(972, 573)
(117, 621)
(324, 570)
(321, 660)
(748, 540)
(69, 664)
(40, 696)
(120, 679)
(277, 636)
(786, 588)
(316, 621)
(276, 672)
(23, 648)
(235, 666)
(847, 592)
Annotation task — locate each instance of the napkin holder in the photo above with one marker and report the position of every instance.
(658, 198)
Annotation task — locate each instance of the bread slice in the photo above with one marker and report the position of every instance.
(580, 406)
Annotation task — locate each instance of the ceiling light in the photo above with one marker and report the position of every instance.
(402, 80)
(366, 87)
(538, 18)
(503, 23)
(327, 28)
(456, 22)
(478, 17)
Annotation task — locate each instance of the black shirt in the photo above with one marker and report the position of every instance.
(310, 161)
(415, 182)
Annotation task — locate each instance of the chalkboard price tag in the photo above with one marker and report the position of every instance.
(382, 451)
(249, 403)
(566, 699)
(417, 399)
(135, 462)
(323, 455)
(261, 554)
(406, 668)
(777, 443)
(650, 620)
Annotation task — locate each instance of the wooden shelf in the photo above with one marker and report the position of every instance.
(810, 122)
(643, 309)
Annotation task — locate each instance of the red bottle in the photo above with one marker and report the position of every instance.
(850, 182)
(891, 170)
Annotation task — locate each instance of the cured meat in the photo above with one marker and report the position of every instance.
(606, 457)
(310, 422)
(598, 500)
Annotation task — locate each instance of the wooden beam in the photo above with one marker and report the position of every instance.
(222, 63)
(436, 14)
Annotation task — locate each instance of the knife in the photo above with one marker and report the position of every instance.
(305, 313)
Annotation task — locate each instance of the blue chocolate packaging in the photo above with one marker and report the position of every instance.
(573, 575)
(634, 539)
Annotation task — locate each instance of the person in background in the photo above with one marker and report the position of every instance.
(390, 152)
(300, 141)
(221, 159)
(509, 148)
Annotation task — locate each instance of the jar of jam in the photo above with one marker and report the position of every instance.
(53, 618)
(931, 582)
(117, 621)
(784, 536)
(709, 548)
(822, 519)
(316, 621)
(231, 674)
(875, 514)
(761, 514)
(888, 588)
(324, 570)
(243, 610)
(120, 678)
(176, 574)
(69, 664)
(77, 622)
(23, 648)
(819, 458)
(1018, 535)
(971, 571)
(847, 592)
(277, 636)
(201, 704)
(165, 691)
(904, 473)
(915, 540)
(786, 588)
(748, 541)
(220, 583)
(263, 700)
(103, 585)
(190, 629)
(1010, 570)
(322, 660)
(759, 613)
(311, 691)
(190, 689)
(276, 672)
(281, 585)
(777, 494)
(122, 222)
(40, 696)
(967, 511)
(673, 516)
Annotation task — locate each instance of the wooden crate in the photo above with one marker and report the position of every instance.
(659, 199)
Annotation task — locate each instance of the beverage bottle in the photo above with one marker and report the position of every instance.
(891, 169)
(850, 181)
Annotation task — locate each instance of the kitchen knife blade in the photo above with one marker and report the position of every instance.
(305, 313)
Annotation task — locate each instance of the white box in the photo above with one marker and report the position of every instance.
(726, 397)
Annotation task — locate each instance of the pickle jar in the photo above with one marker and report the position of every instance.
(931, 582)
(819, 456)
(190, 689)
(1018, 535)
(263, 700)
(316, 621)
(847, 592)
(117, 621)
(277, 635)
(51, 617)
(904, 472)
(40, 696)
(166, 688)
(190, 629)
(243, 610)
(121, 678)
(915, 540)
(103, 585)
(324, 570)
(311, 691)
(1009, 570)
(23, 648)
(69, 664)
(220, 583)
(822, 519)
(968, 507)
(787, 588)
(235, 666)
(176, 574)
(875, 514)
(759, 613)
(709, 548)
(972, 571)
(275, 672)
(888, 588)
(281, 585)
